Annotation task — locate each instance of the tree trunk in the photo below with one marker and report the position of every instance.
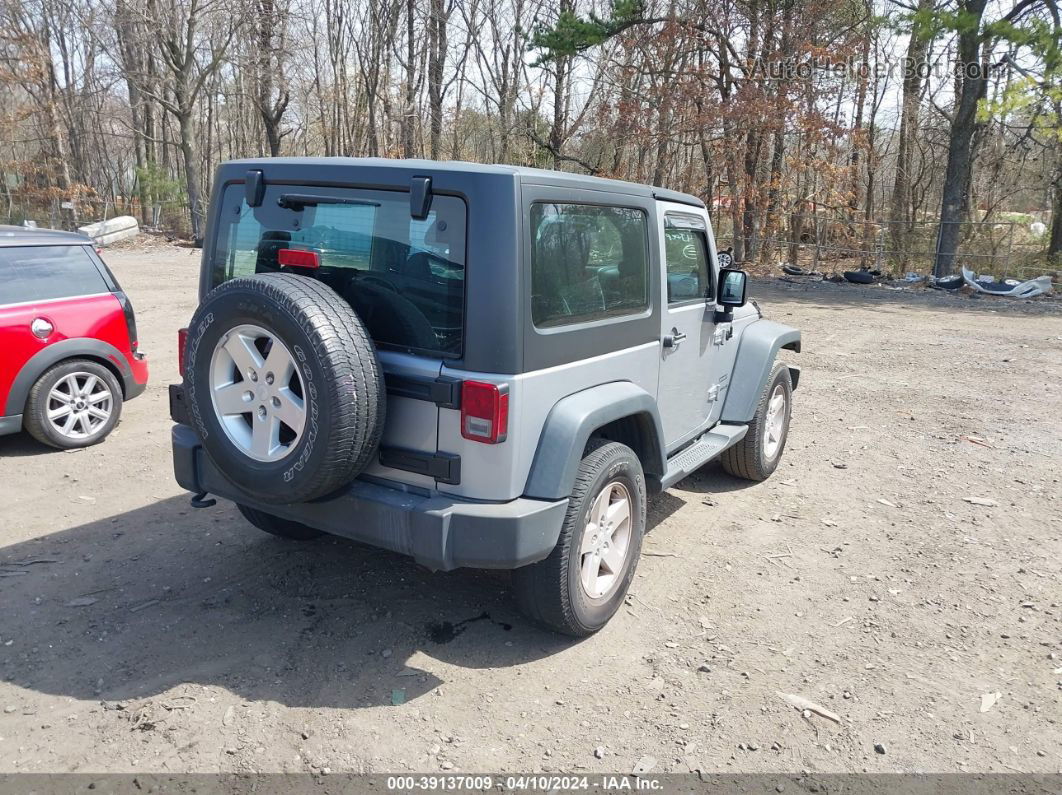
(437, 43)
(191, 171)
(410, 111)
(914, 64)
(1054, 246)
(973, 83)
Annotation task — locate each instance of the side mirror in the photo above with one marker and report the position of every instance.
(732, 287)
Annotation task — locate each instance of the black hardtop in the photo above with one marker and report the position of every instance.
(385, 171)
(25, 236)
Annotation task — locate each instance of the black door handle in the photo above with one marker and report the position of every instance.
(672, 340)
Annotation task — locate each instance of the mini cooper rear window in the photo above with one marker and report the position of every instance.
(43, 273)
(588, 263)
(403, 276)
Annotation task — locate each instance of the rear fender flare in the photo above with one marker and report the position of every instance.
(759, 345)
(573, 420)
(73, 348)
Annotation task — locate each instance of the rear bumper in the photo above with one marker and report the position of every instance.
(437, 531)
(137, 380)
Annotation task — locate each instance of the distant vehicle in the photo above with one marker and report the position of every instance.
(475, 365)
(69, 354)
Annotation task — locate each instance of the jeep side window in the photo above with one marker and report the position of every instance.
(688, 275)
(588, 262)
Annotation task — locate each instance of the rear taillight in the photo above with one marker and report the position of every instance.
(182, 342)
(484, 411)
(298, 258)
(130, 320)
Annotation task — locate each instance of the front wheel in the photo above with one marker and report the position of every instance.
(274, 525)
(757, 455)
(579, 587)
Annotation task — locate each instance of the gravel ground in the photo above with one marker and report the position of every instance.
(139, 634)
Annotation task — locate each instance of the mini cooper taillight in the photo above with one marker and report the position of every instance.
(484, 411)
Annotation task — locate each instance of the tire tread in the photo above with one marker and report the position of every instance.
(541, 589)
(745, 459)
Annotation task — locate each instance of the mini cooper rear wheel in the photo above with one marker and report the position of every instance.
(74, 404)
(579, 587)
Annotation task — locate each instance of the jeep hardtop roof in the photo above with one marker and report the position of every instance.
(535, 176)
(24, 236)
(499, 335)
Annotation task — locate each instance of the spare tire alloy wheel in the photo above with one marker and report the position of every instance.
(284, 387)
(258, 393)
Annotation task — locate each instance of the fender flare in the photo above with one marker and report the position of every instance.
(72, 348)
(574, 418)
(760, 342)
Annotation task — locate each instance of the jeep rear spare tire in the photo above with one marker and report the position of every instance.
(284, 387)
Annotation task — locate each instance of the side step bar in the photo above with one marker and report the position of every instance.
(707, 447)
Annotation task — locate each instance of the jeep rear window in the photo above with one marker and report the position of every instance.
(404, 277)
(44, 273)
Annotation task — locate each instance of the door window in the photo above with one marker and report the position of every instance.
(688, 274)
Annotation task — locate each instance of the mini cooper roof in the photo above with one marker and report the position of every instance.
(399, 171)
(24, 236)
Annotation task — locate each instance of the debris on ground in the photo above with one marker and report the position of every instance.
(1011, 288)
(988, 700)
(983, 501)
(644, 765)
(803, 704)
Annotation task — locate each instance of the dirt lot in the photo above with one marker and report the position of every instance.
(140, 634)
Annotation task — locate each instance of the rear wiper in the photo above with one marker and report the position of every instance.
(296, 201)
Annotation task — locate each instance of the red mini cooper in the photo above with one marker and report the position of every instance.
(68, 345)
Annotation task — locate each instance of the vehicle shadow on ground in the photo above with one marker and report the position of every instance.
(713, 479)
(21, 444)
(127, 607)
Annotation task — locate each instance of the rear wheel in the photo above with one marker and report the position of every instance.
(579, 587)
(274, 525)
(74, 404)
(757, 455)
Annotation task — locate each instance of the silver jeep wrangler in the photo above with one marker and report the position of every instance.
(473, 365)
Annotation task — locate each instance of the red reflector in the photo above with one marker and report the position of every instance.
(484, 411)
(182, 342)
(297, 258)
